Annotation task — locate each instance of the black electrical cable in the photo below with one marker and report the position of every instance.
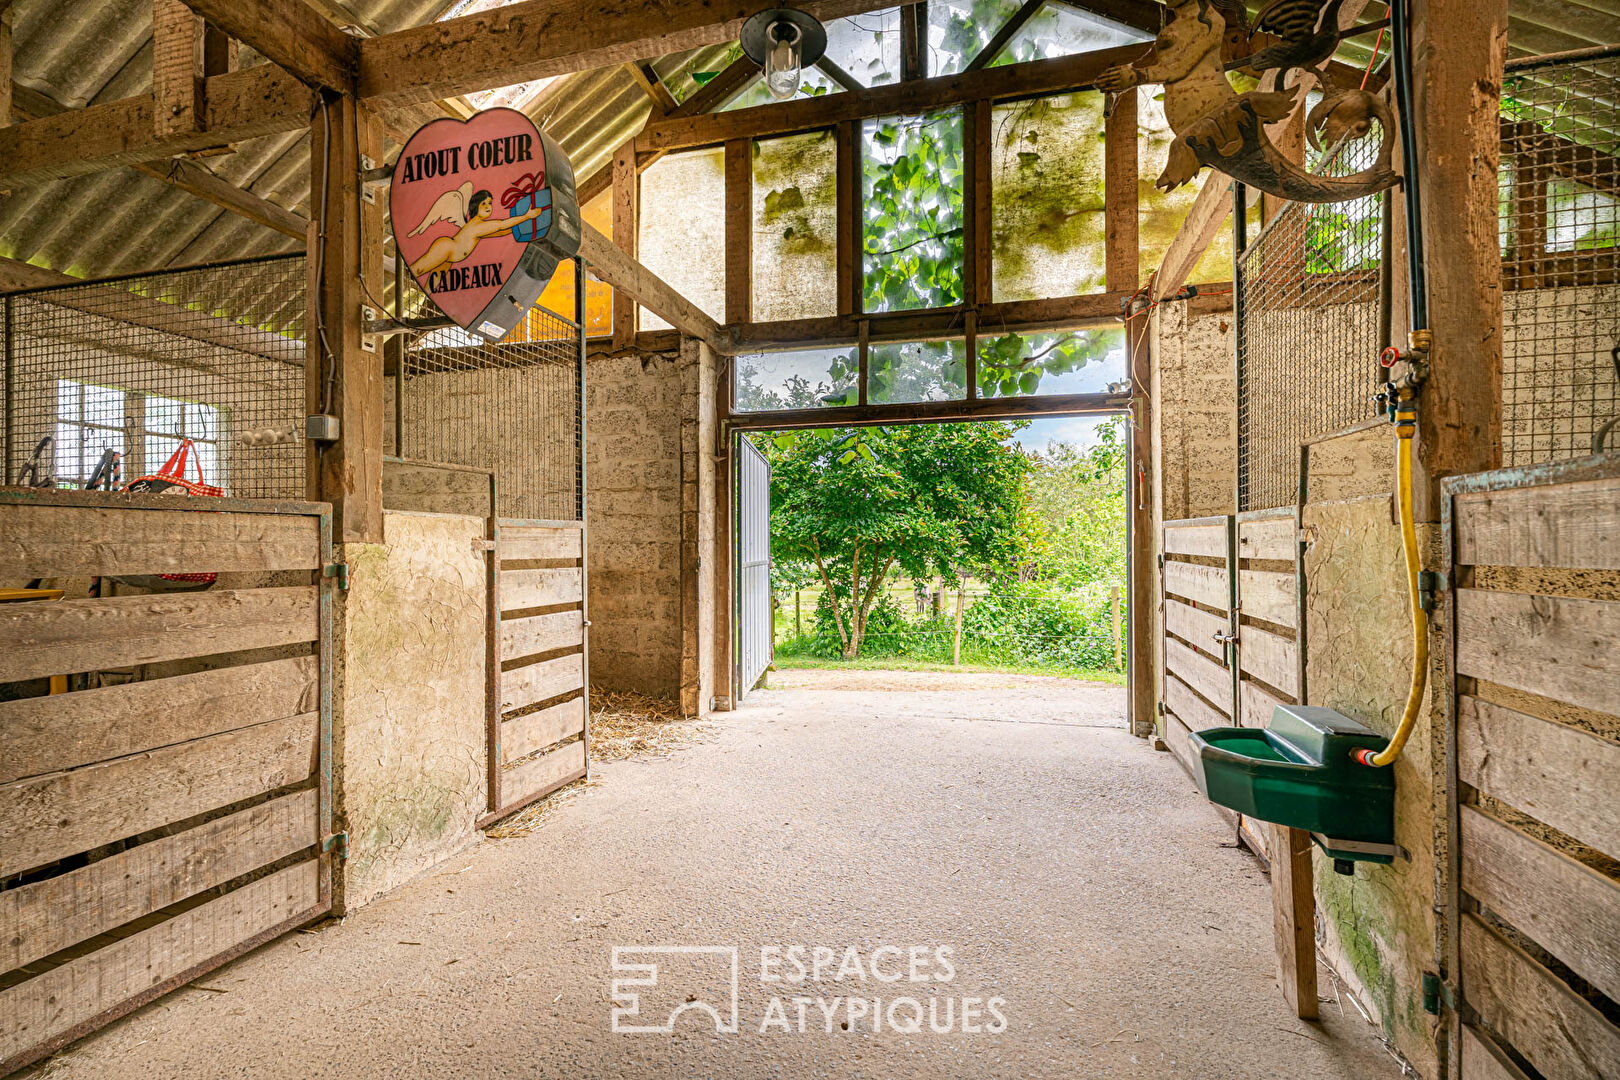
(1401, 50)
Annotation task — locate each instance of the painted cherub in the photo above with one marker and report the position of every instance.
(1198, 99)
(469, 211)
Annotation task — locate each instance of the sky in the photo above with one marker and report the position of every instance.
(1080, 430)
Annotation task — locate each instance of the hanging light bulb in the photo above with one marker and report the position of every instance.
(783, 41)
(782, 63)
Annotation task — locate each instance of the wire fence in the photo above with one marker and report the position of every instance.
(1559, 194)
(512, 407)
(114, 374)
(1308, 329)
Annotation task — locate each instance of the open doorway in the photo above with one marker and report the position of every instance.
(935, 555)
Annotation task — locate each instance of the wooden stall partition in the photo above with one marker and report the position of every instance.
(1531, 897)
(540, 682)
(165, 779)
(1199, 612)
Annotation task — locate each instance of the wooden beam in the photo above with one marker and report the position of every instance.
(177, 77)
(1120, 193)
(978, 213)
(1008, 31)
(712, 94)
(15, 274)
(830, 68)
(1293, 909)
(288, 33)
(626, 237)
(847, 244)
(739, 231)
(534, 39)
(1209, 212)
(632, 279)
(913, 42)
(939, 412)
(663, 101)
(1459, 48)
(6, 16)
(1144, 15)
(344, 377)
(186, 175)
(809, 114)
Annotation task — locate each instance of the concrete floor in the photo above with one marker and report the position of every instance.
(1073, 872)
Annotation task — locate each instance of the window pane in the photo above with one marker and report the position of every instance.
(911, 178)
(1579, 218)
(813, 82)
(796, 227)
(1059, 362)
(158, 449)
(207, 454)
(67, 399)
(683, 229)
(68, 453)
(103, 405)
(800, 379)
(1062, 31)
(959, 29)
(1049, 230)
(202, 421)
(165, 415)
(867, 46)
(917, 371)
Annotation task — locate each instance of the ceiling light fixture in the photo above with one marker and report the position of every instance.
(783, 41)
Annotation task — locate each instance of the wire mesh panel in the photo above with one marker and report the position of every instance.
(511, 407)
(1559, 193)
(135, 365)
(1307, 345)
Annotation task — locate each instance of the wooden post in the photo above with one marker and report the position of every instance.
(848, 185)
(956, 643)
(979, 185)
(914, 42)
(1294, 918)
(1113, 613)
(1120, 192)
(177, 85)
(345, 377)
(626, 230)
(1142, 623)
(725, 578)
(6, 15)
(1458, 51)
(798, 624)
(739, 230)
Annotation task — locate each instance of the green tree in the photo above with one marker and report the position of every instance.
(923, 500)
(1076, 510)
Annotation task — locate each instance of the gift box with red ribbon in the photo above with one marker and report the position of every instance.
(525, 195)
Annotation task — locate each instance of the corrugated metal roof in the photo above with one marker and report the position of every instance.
(81, 52)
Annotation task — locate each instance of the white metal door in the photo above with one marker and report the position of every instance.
(755, 636)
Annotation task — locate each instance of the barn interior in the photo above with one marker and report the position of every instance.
(1350, 269)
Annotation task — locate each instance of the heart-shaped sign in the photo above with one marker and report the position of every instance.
(483, 210)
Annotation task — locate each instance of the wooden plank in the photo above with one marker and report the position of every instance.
(1257, 834)
(1273, 538)
(977, 215)
(93, 635)
(1196, 713)
(84, 541)
(1122, 256)
(59, 814)
(1208, 213)
(1549, 645)
(1197, 628)
(1570, 909)
(626, 218)
(1566, 525)
(1175, 736)
(532, 543)
(60, 999)
(291, 34)
(1256, 704)
(177, 78)
(663, 101)
(1557, 774)
(522, 589)
(739, 231)
(1271, 658)
(847, 245)
(63, 731)
(541, 633)
(548, 771)
(1208, 540)
(1293, 910)
(1203, 584)
(1268, 595)
(1481, 1060)
(526, 685)
(1060, 74)
(1202, 674)
(630, 277)
(1557, 1031)
(44, 917)
(523, 735)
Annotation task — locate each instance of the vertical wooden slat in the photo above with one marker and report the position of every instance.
(1120, 192)
(626, 230)
(983, 265)
(1294, 918)
(177, 104)
(849, 219)
(914, 42)
(739, 231)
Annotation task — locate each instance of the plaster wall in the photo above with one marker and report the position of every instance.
(1195, 419)
(409, 734)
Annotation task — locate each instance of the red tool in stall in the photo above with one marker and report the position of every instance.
(171, 479)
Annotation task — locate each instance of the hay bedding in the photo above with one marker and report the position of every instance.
(623, 725)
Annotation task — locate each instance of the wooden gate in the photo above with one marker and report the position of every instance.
(165, 778)
(1532, 770)
(539, 737)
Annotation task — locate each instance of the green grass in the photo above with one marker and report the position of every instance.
(795, 662)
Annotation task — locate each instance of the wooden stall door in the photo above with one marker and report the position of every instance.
(539, 693)
(165, 778)
(1532, 770)
(1198, 632)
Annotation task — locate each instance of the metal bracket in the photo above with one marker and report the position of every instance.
(337, 843)
(1429, 585)
(1435, 992)
(1361, 847)
(339, 570)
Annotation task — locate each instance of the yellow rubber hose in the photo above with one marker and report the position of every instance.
(1405, 429)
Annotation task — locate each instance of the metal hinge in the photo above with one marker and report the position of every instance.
(339, 570)
(1429, 585)
(337, 842)
(1160, 708)
(1435, 991)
